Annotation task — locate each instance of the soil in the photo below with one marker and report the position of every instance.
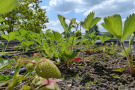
(96, 72)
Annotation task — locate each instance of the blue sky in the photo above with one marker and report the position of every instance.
(79, 9)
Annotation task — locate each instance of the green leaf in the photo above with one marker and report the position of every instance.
(86, 41)
(2, 19)
(95, 21)
(63, 23)
(25, 87)
(4, 36)
(120, 70)
(3, 26)
(23, 32)
(123, 53)
(114, 25)
(1, 61)
(129, 26)
(5, 63)
(7, 5)
(69, 55)
(50, 35)
(9, 37)
(90, 21)
(4, 78)
(92, 34)
(104, 38)
(57, 36)
(27, 43)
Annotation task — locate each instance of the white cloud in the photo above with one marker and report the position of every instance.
(101, 7)
(80, 10)
(112, 7)
(54, 25)
(45, 7)
(69, 5)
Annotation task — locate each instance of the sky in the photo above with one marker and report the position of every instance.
(79, 9)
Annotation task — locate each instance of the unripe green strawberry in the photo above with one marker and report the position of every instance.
(30, 67)
(47, 69)
(87, 31)
(78, 33)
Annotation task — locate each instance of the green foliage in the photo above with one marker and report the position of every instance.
(104, 38)
(25, 87)
(90, 21)
(129, 27)
(120, 70)
(67, 28)
(4, 78)
(123, 52)
(90, 39)
(2, 45)
(69, 55)
(5, 63)
(94, 28)
(7, 5)
(27, 15)
(3, 26)
(114, 25)
(108, 34)
(1, 19)
(9, 37)
(63, 23)
(54, 35)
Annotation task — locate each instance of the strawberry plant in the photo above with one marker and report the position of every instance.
(9, 37)
(89, 22)
(69, 42)
(6, 6)
(26, 39)
(44, 68)
(90, 39)
(114, 25)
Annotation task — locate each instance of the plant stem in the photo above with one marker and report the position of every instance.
(126, 54)
(15, 79)
(131, 57)
(6, 46)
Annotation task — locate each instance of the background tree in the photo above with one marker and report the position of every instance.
(108, 34)
(94, 28)
(27, 15)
